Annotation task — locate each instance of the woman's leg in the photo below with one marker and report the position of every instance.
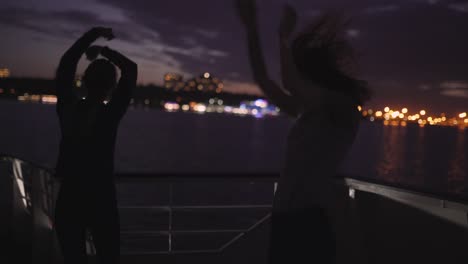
(301, 228)
(105, 226)
(302, 237)
(70, 227)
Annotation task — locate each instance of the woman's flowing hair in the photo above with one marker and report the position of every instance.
(323, 56)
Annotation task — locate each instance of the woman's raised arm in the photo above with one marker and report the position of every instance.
(67, 68)
(247, 14)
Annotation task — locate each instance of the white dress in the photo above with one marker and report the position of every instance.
(317, 143)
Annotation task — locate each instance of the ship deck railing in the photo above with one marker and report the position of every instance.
(188, 213)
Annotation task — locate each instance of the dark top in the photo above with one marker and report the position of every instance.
(87, 143)
(88, 134)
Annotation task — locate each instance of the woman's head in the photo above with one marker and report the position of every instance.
(322, 55)
(100, 78)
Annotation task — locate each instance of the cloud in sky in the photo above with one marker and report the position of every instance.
(455, 93)
(207, 33)
(454, 85)
(424, 87)
(353, 33)
(433, 2)
(68, 24)
(454, 89)
(459, 7)
(413, 41)
(381, 9)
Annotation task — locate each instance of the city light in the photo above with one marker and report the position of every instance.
(258, 108)
(49, 99)
(4, 72)
(228, 109)
(200, 108)
(391, 117)
(171, 106)
(179, 98)
(205, 82)
(261, 103)
(387, 116)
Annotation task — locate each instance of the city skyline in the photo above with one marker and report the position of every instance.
(412, 52)
(204, 94)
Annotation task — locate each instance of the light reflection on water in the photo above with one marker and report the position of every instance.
(391, 166)
(457, 173)
(432, 159)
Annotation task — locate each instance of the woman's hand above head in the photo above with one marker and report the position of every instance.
(93, 52)
(103, 32)
(68, 63)
(247, 11)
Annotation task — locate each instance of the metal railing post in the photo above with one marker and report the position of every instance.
(171, 190)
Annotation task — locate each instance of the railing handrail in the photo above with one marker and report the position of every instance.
(417, 198)
(163, 175)
(123, 176)
(35, 164)
(268, 176)
(409, 189)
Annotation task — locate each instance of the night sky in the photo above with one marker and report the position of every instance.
(414, 53)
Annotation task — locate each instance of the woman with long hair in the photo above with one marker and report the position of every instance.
(323, 98)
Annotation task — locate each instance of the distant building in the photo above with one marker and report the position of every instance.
(174, 81)
(205, 83)
(4, 73)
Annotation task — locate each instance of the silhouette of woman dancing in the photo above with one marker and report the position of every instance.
(87, 200)
(323, 99)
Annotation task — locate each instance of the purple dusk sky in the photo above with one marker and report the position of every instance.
(413, 52)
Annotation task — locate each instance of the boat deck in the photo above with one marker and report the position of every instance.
(225, 219)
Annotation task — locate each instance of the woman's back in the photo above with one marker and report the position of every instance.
(318, 142)
(88, 141)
